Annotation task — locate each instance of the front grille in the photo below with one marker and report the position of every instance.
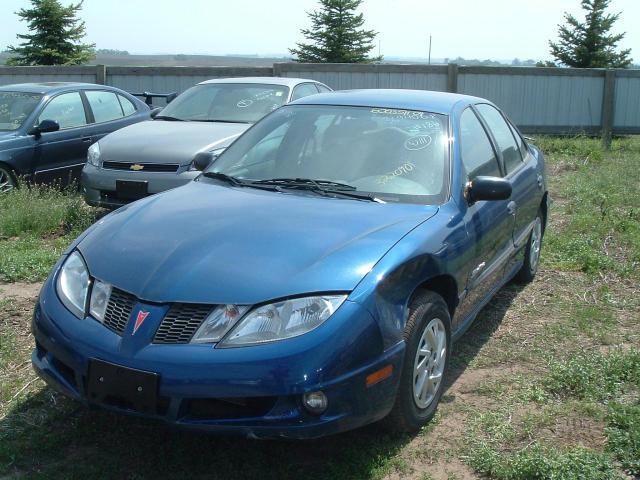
(147, 167)
(181, 322)
(119, 310)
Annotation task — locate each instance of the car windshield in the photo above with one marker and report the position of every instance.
(398, 155)
(226, 102)
(15, 107)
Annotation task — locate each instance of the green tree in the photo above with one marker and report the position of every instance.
(54, 37)
(336, 35)
(589, 44)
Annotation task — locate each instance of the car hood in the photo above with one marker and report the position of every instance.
(160, 141)
(207, 243)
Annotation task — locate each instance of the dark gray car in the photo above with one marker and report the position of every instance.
(46, 128)
(157, 155)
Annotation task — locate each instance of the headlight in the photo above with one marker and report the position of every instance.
(281, 320)
(218, 323)
(93, 155)
(100, 293)
(73, 284)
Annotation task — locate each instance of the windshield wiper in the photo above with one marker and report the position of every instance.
(220, 121)
(326, 188)
(306, 183)
(237, 182)
(168, 118)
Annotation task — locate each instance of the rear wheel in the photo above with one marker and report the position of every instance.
(428, 338)
(532, 253)
(7, 180)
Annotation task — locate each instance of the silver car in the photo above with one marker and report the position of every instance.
(156, 155)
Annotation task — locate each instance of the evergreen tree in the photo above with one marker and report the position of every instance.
(54, 36)
(589, 44)
(336, 35)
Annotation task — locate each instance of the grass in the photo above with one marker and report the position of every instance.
(36, 225)
(546, 384)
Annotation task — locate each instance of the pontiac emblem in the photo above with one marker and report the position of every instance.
(142, 316)
(136, 167)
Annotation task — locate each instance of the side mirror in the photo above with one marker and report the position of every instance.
(487, 188)
(155, 112)
(45, 126)
(203, 159)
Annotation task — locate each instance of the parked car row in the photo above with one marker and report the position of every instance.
(311, 279)
(47, 129)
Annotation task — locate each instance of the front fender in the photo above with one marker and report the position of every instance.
(440, 246)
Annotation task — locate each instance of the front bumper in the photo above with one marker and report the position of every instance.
(194, 379)
(99, 184)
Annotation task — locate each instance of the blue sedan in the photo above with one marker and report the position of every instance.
(46, 128)
(311, 280)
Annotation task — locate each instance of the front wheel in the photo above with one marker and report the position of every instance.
(428, 338)
(7, 180)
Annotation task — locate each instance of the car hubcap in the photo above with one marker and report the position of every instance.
(536, 238)
(428, 366)
(6, 184)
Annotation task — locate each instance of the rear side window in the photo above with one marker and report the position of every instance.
(67, 109)
(477, 153)
(105, 105)
(323, 89)
(127, 106)
(303, 90)
(503, 135)
(521, 145)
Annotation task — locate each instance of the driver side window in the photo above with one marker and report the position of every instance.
(67, 109)
(477, 153)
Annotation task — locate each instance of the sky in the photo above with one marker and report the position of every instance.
(496, 29)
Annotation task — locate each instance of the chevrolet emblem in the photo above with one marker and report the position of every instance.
(136, 167)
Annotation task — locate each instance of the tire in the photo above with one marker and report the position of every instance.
(410, 412)
(532, 253)
(7, 180)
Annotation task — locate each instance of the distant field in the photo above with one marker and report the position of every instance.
(179, 60)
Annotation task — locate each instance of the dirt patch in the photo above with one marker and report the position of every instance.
(19, 290)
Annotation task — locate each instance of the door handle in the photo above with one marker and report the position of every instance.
(512, 207)
(87, 140)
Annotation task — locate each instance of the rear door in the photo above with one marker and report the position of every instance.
(489, 223)
(108, 111)
(520, 171)
(59, 156)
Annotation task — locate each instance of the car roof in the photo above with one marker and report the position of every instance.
(285, 81)
(51, 87)
(424, 100)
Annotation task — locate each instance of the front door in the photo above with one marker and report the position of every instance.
(489, 224)
(520, 169)
(59, 156)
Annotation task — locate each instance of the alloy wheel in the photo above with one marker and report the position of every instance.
(536, 240)
(429, 363)
(6, 182)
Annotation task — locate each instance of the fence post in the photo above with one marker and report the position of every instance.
(608, 101)
(101, 74)
(452, 77)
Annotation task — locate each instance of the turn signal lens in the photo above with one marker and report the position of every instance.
(100, 293)
(379, 375)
